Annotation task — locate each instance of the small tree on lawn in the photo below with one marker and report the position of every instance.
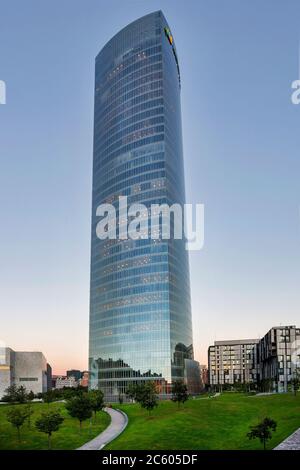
(30, 396)
(97, 400)
(295, 382)
(48, 397)
(48, 423)
(147, 396)
(21, 394)
(263, 431)
(120, 398)
(17, 416)
(135, 392)
(10, 394)
(131, 392)
(29, 412)
(179, 392)
(80, 407)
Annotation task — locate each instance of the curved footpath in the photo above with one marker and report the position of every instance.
(118, 423)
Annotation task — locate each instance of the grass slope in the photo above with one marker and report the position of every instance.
(68, 436)
(205, 424)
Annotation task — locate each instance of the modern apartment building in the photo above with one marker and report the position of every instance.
(279, 357)
(269, 363)
(140, 312)
(232, 362)
(29, 369)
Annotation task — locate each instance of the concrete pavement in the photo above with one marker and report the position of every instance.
(290, 443)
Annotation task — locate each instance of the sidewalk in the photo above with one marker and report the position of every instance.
(290, 443)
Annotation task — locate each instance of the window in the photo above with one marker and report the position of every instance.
(28, 379)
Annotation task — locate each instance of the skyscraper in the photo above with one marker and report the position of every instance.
(140, 312)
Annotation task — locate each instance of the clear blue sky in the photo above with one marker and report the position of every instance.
(242, 160)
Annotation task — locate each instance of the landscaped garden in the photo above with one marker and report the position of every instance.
(205, 423)
(208, 423)
(68, 436)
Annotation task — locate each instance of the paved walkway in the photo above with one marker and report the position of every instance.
(290, 443)
(118, 423)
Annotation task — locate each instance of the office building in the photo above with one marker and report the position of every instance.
(29, 369)
(140, 312)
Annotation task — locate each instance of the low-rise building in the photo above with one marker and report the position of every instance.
(29, 369)
(62, 381)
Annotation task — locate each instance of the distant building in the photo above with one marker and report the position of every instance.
(49, 377)
(74, 373)
(192, 376)
(204, 375)
(29, 369)
(233, 361)
(269, 363)
(62, 381)
(84, 382)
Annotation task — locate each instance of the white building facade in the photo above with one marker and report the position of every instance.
(29, 369)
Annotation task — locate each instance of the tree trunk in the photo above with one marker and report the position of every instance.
(264, 444)
(19, 435)
(80, 426)
(49, 441)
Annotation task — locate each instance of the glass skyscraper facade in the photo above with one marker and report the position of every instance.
(140, 312)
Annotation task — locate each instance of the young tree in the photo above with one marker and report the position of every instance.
(295, 382)
(17, 416)
(80, 407)
(179, 392)
(120, 398)
(135, 392)
(48, 423)
(263, 431)
(48, 397)
(10, 394)
(30, 396)
(21, 394)
(147, 396)
(29, 412)
(97, 400)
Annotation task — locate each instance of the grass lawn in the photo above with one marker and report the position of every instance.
(208, 423)
(68, 436)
